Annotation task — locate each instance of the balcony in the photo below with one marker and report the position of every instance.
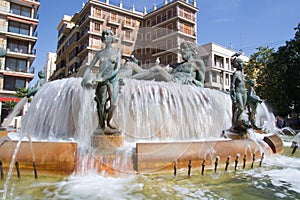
(127, 25)
(114, 21)
(128, 39)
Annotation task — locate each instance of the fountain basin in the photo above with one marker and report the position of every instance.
(62, 158)
(162, 156)
(50, 157)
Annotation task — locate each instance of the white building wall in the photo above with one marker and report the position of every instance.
(217, 61)
(50, 66)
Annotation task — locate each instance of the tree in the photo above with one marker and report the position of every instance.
(277, 75)
(10, 105)
(288, 58)
(21, 93)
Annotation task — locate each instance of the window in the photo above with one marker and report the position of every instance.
(158, 19)
(20, 10)
(205, 60)
(127, 35)
(97, 12)
(187, 29)
(158, 33)
(113, 17)
(187, 15)
(127, 50)
(227, 79)
(139, 50)
(73, 53)
(96, 42)
(139, 36)
(148, 36)
(148, 50)
(170, 28)
(148, 23)
(169, 43)
(128, 21)
(218, 60)
(97, 27)
(158, 47)
(14, 64)
(114, 30)
(19, 28)
(214, 77)
(13, 83)
(17, 46)
(169, 14)
(169, 58)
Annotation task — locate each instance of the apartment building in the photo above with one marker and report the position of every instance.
(50, 65)
(147, 35)
(219, 69)
(18, 23)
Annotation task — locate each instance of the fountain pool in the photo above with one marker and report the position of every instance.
(161, 124)
(278, 178)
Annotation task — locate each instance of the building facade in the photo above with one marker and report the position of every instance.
(219, 69)
(146, 35)
(18, 23)
(50, 65)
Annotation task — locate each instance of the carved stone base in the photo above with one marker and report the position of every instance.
(107, 141)
(107, 131)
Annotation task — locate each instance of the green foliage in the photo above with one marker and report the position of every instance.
(21, 93)
(277, 75)
(9, 104)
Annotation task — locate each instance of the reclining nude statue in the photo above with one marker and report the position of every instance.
(191, 71)
(106, 82)
(38, 85)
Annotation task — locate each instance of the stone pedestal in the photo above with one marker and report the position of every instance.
(107, 141)
(235, 135)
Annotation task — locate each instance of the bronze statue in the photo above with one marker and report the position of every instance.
(252, 102)
(191, 71)
(239, 97)
(106, 81)
(38, 85)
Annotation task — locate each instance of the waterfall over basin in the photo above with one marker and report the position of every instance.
(146, 110)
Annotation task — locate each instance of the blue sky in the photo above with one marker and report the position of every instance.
(244, 24)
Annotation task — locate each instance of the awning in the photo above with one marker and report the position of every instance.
(9, 99)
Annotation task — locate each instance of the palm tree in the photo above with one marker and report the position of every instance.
(21, 92)
(10, 105)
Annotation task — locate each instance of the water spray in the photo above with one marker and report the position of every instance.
(1, 170)
(175, 168)
(189, 167)
(203, 166)
(236, 161)
(227, 163)
(245, 159)
(294, 146)
(262, 158)
(216, 163)
(34, 170)
(18, 169)
(253, 160)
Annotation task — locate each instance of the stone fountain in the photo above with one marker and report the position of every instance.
(153, 120)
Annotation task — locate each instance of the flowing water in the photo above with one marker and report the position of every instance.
(18, 107)
(147, 111)
(278, 178)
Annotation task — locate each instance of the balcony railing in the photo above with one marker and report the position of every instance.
(17, 50)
